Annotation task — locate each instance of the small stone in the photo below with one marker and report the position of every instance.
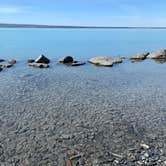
(7, 65)
(144, 146)
(12, 61)
(78, 63)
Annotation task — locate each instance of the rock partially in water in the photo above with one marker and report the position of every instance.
(42, 59)
(39, 65)
(105, 61)
(31, 60)
(78, 63)
(67, 59)
(139, 56)
(8, 65)
(2, 60)
(161, 54)
(1, 68)
(12, 61)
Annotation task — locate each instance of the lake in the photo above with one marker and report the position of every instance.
(85, 115)
(79, 43)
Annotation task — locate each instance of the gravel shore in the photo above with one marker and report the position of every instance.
(83, 116)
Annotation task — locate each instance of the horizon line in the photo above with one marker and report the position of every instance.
(17, 25)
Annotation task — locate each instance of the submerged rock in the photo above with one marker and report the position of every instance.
(67, 59)
(31, 60)
(139, 56)
(12, 61)
(42, 59)
(161, 54)
(39, 65)
(78, 63)
(105, 61)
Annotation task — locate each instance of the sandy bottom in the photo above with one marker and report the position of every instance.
(83, 115)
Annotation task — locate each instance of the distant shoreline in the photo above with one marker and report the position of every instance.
(4, 25)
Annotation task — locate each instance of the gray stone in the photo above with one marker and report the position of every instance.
(39, 65)
(42, 59)
(67, 59)
(12, 61)
(161, 54)
(139, 56)
(8, 65)
(105, 61)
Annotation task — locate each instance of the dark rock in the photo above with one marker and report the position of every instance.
(105, 61)
(139, 56)
(31, 60)
(1, 68)
(67, 59)
(2, 60)
(12, 61)
(39, 65)
(161, 54)
(42, 59)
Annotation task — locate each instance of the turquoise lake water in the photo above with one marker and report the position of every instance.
(79, 43)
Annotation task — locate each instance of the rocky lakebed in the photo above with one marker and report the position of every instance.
(85, 115)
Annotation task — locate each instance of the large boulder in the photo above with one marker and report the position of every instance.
(12, 61)
(105, 61)
(67, 59)
(39, 65)
(42, 59)
(161, 54)
(139, 56)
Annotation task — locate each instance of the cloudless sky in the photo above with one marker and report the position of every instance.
(84, 12)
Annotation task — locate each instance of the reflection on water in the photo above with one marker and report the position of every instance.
(160, 61)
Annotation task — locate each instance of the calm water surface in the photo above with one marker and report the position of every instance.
(80, 43)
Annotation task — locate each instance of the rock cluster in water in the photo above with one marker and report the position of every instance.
(107, 61)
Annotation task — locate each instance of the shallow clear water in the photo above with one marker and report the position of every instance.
(43, 112)
(80, 43)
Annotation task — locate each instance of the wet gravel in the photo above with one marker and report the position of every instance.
(83, 116)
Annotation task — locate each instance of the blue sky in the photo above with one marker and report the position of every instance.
(84, 12)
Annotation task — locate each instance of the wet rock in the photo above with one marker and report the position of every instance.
(12, 61)
(144, 146)
(8, 65)
(42, 59)
(1, 68)
(31, 60)
(105, 61)
(39, 65)
(161, 54)
(77, 63)
(139, 56)
(67, 59)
